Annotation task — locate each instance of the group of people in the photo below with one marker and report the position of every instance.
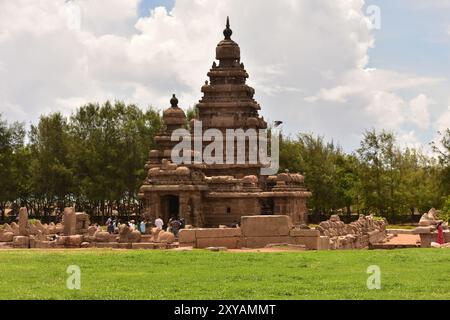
(174, 225)
(112, 225)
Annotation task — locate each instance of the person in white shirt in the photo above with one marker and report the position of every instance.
(159, 223)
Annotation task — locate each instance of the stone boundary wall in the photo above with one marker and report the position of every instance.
(261, 231)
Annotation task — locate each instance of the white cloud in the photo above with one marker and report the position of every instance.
(307, 61)
(419, 111)
(387, 109)
(443, 123)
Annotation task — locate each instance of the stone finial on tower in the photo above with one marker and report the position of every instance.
(174, 101)
(227, 32)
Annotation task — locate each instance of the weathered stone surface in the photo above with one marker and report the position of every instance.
(229, 242)
(101, 236)
(261, 242)
(124, 245)
(59, 228)
(73, 241)
(324, 243)
(6, 237)
(266, 226)
(187, 244)
(40, 227)
(23, 221)
(91, 231)
(420, 230)
(107, 245)
(187, 236)
(447, 236)
(86, 245)
(70, 222)
(126, 235)
(21, 242)
(166, 237)
(155, 234)
(426, 239)
(45, 244)
(7, 228)
(218, 233)
(311, 243)
(15, 229)
(82, 222)
(304, 233)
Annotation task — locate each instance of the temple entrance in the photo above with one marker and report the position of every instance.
(267, 207)
(170, 207)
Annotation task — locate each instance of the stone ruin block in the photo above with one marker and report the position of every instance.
(426, 239)
(21, 242)
(101, 236)
(73, 241)
(187, 236)
(124, 245)
(304, 233)
(15, 229)
(82, 222)
(311, 243)
(324, 243)
(70, 222)
(23, 222)
(420, 230)
(228, 242)
(266, 226)
(38, 244)
(261, 242)
(6, 236)
(218, 233)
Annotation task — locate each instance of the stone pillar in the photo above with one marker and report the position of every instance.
(183, 210)
(23, 221)
(155, 207)
(197, 218)
(70, 221)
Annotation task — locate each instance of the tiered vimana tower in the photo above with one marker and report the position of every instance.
(228, 102)
(209, 195)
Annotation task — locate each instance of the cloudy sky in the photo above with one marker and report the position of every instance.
(333, 68)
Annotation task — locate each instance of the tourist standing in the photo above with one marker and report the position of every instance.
(175, 226)
(110, 227)
(182, 223)
(108, 221)
(440, 234)
(159, 223)
(142, 227)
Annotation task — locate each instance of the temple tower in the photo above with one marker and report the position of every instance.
(228, 101)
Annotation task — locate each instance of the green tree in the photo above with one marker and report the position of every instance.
(51, 170)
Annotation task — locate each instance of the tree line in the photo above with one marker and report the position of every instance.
(95, 159)
(379, 177)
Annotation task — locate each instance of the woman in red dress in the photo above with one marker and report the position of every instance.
(440, 235)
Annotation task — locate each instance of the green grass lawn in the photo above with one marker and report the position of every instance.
(109, 274)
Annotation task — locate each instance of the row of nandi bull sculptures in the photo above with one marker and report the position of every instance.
(75, 232)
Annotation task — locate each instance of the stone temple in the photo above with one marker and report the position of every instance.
(210, 195)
